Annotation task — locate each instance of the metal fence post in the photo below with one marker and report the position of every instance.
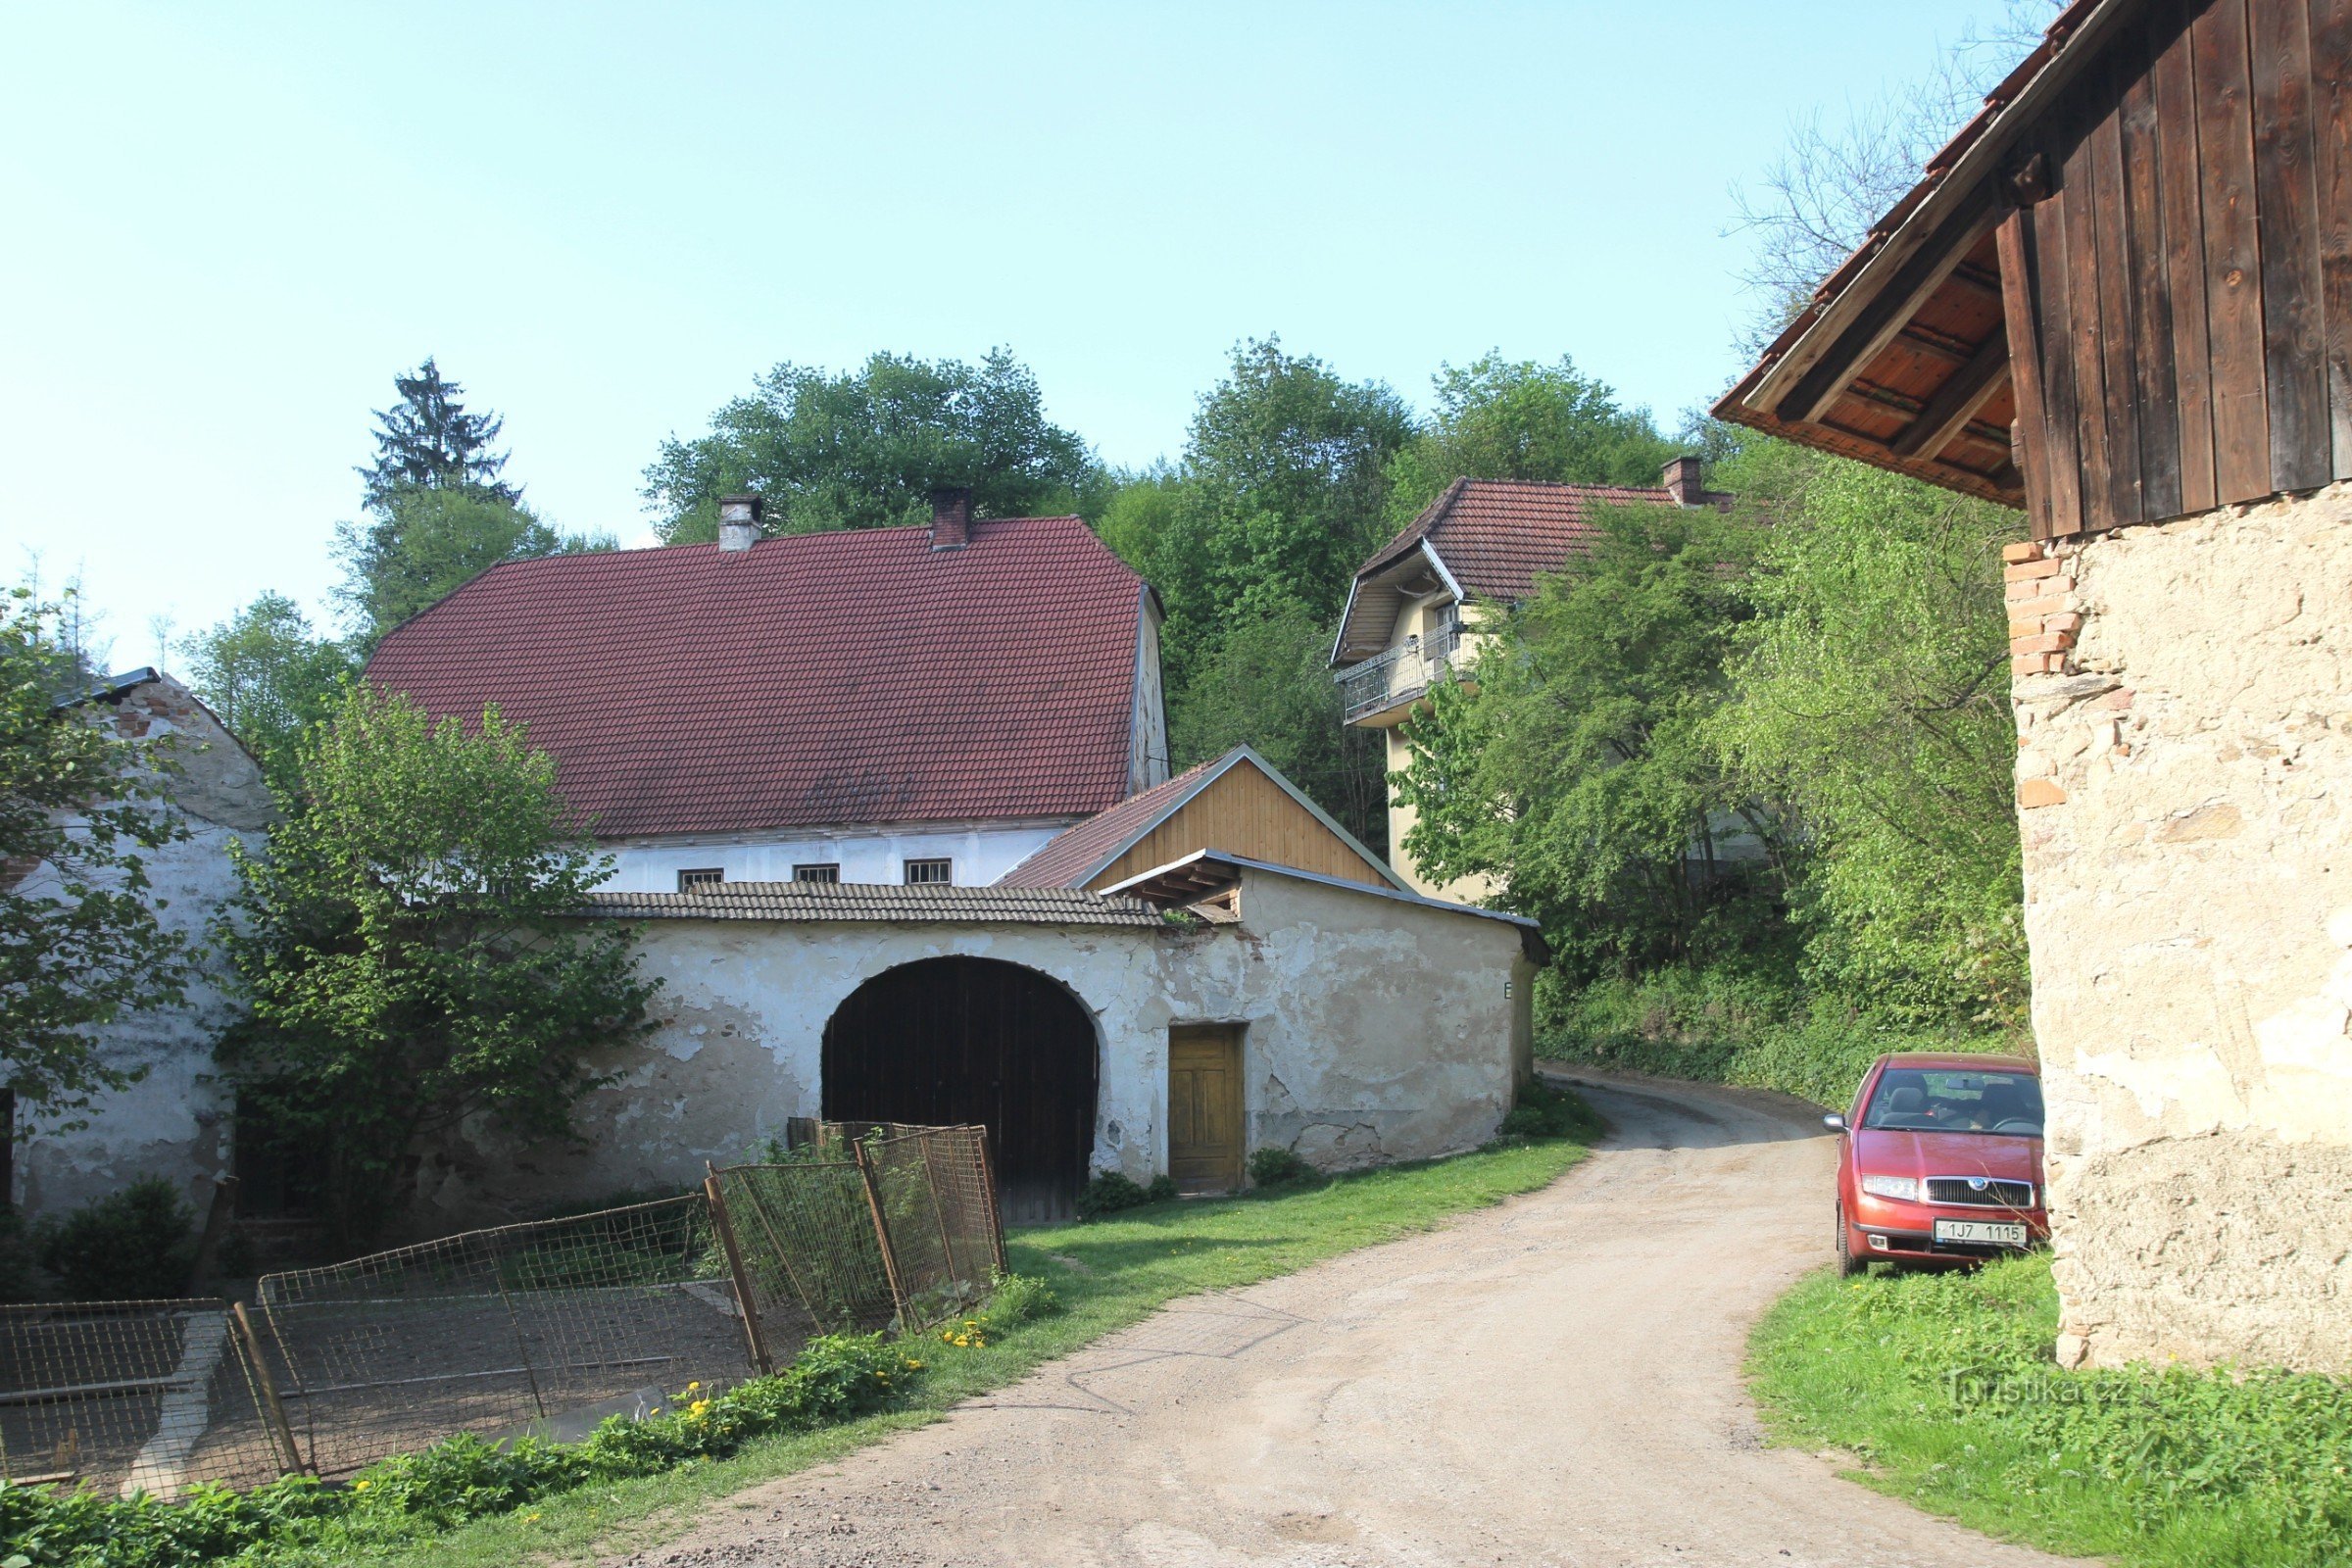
(720, 1221)
(282, 1435)
(890, 1254)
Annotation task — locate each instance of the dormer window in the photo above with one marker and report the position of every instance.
(930, 874)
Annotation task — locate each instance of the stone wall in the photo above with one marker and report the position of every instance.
(1375, 1029)
(2183, 698)
(174, 1121)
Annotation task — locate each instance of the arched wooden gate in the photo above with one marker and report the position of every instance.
(952, 1041)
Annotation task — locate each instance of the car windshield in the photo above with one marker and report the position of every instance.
(1950, 1100)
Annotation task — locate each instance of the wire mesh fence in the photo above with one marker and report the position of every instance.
(127, 1396)
(930, 1245)
(547, 1328)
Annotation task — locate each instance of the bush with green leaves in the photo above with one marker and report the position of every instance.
(130, 1245)
(1544, 1111)
(1110, 1190)
(834, 1379)
(1273, 1166)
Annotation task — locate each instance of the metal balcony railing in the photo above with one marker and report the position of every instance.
(1400, 675)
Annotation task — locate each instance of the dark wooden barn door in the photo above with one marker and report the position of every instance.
(952, 1041)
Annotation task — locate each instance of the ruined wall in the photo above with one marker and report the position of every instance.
(175, 1122)
(2183, 696)
(1375, 1030)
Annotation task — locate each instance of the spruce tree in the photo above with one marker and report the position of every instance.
(429, 442)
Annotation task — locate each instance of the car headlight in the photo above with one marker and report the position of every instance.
(1903, 1187)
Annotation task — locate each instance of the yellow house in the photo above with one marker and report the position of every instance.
(1417, 609)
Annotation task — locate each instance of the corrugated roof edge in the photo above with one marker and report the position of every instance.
(1530, 931)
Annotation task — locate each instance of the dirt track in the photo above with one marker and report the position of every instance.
(1551, 1381)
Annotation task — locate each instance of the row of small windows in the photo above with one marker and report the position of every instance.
(937, 873)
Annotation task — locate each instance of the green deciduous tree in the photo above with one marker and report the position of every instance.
(1496, 418)
(268, 677)
(410, 948)
(423, 543)
(428, 441)
(1576, 768)
(865, 448)
(1871, 693)
(79, 941)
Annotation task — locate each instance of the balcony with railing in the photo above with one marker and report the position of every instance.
(1394, 681)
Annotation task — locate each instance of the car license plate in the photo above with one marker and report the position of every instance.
(1983, 1231)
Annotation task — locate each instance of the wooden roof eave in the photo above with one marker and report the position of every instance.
(1914, 252)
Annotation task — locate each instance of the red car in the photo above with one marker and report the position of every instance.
(1940, 1161)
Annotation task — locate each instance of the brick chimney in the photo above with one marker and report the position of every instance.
(950, 517)
(739, 521)
(1681, 482)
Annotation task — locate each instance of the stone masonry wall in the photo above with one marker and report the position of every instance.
(2184, 700)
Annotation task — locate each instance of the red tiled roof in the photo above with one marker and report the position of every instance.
(1074, 854)
(814, 680)
(1496, 535)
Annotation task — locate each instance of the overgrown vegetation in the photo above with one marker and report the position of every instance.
(1108, 1191)
(135, 1245)
(80, 813)
(466, 1504)
(406, 949)
(1943, 1386)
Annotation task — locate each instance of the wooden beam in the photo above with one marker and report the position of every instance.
(1885, 316)
(1957, 400)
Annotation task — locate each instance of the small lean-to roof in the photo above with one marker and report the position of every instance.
(879, 904)
(1082, 852)
(811, 680)
(1205, 873)
(1483, 539)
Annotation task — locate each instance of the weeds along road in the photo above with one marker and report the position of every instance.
(1555, 1380)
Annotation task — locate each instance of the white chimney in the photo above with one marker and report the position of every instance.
(739, 521)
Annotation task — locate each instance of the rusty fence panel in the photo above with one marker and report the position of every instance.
(126, 1397)
(545, 1327)
(869, 1225)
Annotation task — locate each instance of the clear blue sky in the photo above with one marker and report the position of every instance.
(227, 226)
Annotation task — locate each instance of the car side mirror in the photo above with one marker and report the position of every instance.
(1834, 1122)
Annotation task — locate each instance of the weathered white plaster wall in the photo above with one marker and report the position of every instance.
(2185, 773)
(982, 853)
(175, 1122)
(1375, 1029)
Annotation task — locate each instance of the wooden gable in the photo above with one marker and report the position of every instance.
(1244, 811)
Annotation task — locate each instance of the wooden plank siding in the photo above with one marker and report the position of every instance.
(1241, 812)
(2191, 266)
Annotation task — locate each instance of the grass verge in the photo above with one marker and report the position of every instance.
(1106, 1274)
(1943, 1386)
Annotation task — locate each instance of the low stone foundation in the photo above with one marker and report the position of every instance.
(2183, 698)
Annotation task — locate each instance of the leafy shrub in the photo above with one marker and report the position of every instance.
(1163, 1189)
(1543, 1111)
(1016, 1299)
(835, 1377)
(1724, 1025)
(1272, 1166)
(134, 1244)
(1109, 1191)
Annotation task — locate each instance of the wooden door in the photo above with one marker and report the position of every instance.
(1207, 1120)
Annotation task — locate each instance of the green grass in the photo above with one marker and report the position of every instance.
(1942, 1389)
(1107, 1274)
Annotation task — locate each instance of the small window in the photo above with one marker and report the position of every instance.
(930, 874)
(829, 871)
(696, 881)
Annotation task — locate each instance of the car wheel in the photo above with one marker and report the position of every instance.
(1848, 1265)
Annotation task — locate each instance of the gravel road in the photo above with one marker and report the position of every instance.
(1552, 1381)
